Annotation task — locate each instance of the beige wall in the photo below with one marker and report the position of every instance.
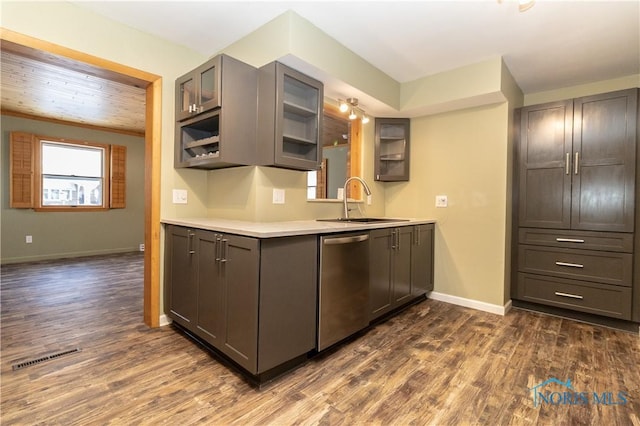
(461, 154)
(604, 86)
(72, 234)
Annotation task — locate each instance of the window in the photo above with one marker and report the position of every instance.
(72, 175)
(50, 174)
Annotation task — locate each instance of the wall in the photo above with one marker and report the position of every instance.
(70, 234)
(462, 154)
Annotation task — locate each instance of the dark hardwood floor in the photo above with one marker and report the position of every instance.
(433, 364)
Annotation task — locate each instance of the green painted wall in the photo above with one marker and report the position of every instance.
(71, 234)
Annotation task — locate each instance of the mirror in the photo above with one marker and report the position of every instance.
(341, 142)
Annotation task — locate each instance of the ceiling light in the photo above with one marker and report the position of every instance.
(351, 105)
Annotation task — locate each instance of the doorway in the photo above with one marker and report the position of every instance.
(152, 138)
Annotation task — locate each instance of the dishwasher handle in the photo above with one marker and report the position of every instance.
(346, 240)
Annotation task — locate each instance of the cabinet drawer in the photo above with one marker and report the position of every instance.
(607, 241)
(598, 266)
(600, 299)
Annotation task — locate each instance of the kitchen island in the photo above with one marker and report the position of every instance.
(250, 291)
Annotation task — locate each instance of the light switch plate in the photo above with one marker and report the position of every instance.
(179, 196)
(278, 196)
(441, 201)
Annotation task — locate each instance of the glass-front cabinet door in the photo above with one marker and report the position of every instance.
(392, 149)
(199, 90)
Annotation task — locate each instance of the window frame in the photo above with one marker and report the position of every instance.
(25, 174)
(39, 206)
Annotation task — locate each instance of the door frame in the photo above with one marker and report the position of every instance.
(153, 144)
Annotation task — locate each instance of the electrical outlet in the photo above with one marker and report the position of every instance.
(141, 247)
(278, 196)
(28, 239)
(179, 196)
(441, 201)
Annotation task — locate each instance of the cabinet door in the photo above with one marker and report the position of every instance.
(199, 90)
(210, 287)
(185, 96)
(239, 263)
(380, 272)
(401, 269)
(422, 259)
(392, 149)
(604, 153)
(182, 291)
(545, 165)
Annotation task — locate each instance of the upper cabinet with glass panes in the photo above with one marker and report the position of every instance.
(199, 90)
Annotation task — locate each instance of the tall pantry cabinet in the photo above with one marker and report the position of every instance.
(575, 209)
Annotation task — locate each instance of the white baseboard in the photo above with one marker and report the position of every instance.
(470, 303)
(164, 320)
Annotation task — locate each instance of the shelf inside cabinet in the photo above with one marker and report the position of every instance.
(202, 142)
(297, 139)
(300, 95)
(392, 157)
(200, 139)
(299, 110)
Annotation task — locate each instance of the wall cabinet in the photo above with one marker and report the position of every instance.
(216, 115)
(199, 90)
(252, 300)
(391, 154)
(289, 118)
(576, 205)
(390, 269)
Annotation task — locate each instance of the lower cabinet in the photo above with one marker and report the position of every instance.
(422, 259)
(587, 271)
(253, 300)
(401, 266)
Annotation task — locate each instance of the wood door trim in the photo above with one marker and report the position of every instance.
(153, 134)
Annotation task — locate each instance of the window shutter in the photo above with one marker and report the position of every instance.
(21, 157)
(117, 185)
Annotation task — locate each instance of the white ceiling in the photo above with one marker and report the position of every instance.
(554, 44)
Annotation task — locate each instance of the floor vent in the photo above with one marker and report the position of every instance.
(42, 359)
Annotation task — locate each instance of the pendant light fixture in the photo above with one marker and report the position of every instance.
(351, 105)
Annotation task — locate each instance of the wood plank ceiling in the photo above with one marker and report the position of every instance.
(44, 86)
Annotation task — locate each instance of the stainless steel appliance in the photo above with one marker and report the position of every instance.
(344, 287)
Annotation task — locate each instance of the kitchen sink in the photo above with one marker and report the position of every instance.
(363, 219)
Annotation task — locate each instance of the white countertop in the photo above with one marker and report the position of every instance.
(285, 228)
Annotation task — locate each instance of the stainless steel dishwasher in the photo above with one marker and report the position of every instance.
(344, 287)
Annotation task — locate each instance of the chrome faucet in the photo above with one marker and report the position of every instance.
(344, 192)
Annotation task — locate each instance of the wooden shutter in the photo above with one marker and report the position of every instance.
(118, 194)
(21, 157)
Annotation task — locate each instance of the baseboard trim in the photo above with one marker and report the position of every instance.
(470, 303)
(164, 320)
(69, 255)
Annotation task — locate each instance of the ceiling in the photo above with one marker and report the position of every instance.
(552, 45)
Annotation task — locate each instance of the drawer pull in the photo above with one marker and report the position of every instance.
(569, 240)
(571, 265)
(572, 296)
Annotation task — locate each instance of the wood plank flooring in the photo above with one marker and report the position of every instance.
(434, 364)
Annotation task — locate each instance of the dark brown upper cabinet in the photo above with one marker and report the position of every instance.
(392, 149)
(289, 118)
(198, 91)
(216, 115)
(577, 163)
